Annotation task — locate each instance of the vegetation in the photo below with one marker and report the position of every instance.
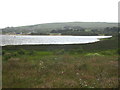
(92, 65)
(70, 28)
(79, 31)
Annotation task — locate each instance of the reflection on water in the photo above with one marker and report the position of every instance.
(29, 40)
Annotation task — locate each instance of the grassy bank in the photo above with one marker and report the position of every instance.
(92, 65)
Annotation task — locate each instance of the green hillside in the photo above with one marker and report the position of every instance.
(48, 27)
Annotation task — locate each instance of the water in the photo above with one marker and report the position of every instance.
(33, 40)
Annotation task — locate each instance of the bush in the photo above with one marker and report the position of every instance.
(31, 52)
(118, 51)
(7, 56)
(15, 54)
(21, 52)
(3, 52)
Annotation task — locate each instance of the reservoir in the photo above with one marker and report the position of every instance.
(36, 40)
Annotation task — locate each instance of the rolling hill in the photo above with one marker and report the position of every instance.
(48, 27)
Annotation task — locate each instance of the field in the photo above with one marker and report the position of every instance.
(92, 65)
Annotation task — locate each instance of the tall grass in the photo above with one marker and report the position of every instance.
(47, 69)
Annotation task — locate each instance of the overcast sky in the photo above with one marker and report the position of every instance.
(29, 12)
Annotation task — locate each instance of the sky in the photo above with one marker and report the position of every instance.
(29, 12)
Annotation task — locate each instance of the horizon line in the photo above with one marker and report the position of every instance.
(58, 22)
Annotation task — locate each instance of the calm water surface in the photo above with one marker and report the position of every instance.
(33, 40)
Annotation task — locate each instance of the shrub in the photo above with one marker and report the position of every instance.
(118, 51)
(3, 52)
(21, 52)
(7, 56)
(31, 52)
(15, 54)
